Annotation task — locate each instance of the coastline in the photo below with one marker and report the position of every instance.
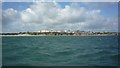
(61, 34)
(55, 35)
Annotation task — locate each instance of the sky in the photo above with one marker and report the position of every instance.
(83, 16)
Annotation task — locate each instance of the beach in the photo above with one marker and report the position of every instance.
(64, 35)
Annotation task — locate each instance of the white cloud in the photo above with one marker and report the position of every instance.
(0, 18)
(9, 17)
(52, 16)
(60, 0)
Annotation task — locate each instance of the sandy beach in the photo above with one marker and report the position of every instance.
(59, 35)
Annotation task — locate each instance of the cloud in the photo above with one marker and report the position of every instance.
(61, 0)
(0, 18)
(52, 16)
(9, 16)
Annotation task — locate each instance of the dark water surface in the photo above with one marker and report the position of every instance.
(60, 51)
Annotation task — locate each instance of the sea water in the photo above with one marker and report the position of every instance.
(60, 51)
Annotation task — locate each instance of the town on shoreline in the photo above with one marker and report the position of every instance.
(60, 33)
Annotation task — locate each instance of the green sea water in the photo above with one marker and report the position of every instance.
(60, 51)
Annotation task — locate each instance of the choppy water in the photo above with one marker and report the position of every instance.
(60, 51)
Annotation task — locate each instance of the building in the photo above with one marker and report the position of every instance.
(45, 31)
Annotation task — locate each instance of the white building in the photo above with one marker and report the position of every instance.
(58, 31)
(65, 30)
(45, 31)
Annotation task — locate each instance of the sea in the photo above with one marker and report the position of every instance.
(60, 51)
